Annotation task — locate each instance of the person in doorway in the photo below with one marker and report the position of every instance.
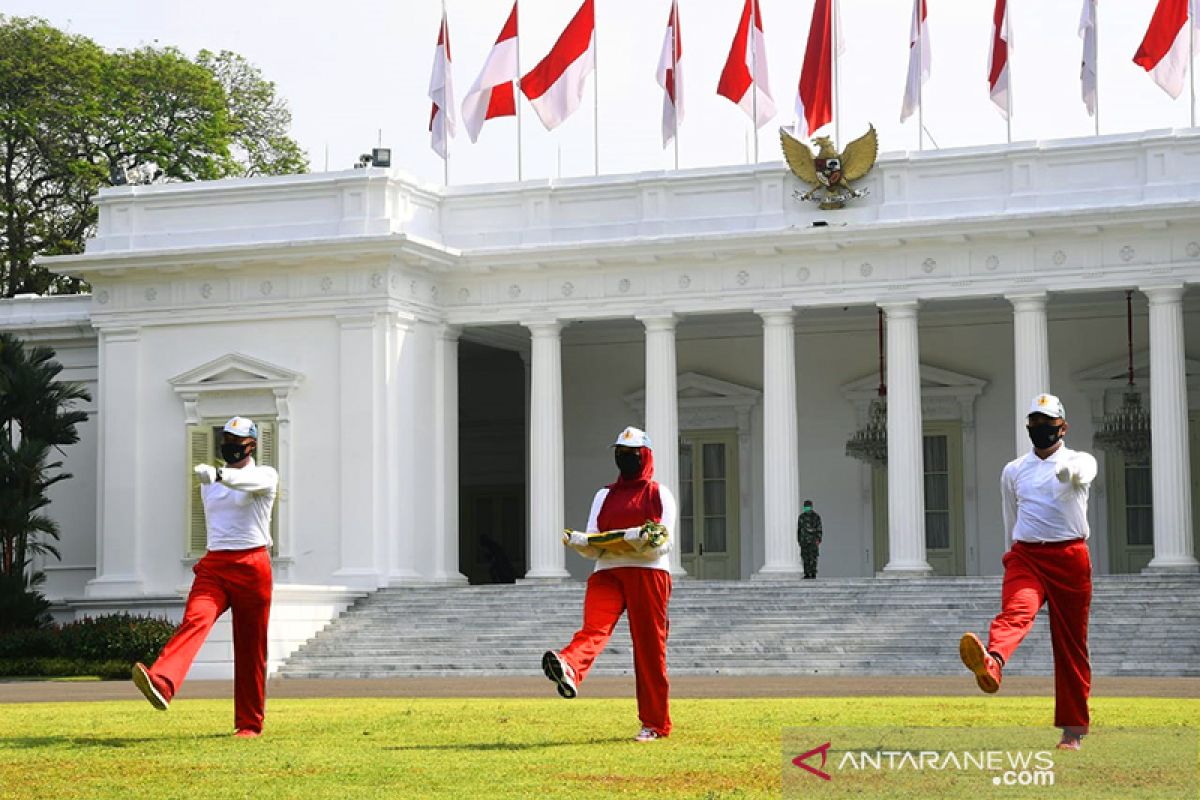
(1045, 495)
(634, 576)
(234, 574)
(808, 533)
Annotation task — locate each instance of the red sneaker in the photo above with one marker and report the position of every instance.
(981, 662)
(149, 686)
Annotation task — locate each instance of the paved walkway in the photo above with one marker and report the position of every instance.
(601, 686)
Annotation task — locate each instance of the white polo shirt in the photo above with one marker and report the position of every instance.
(1038, 507)
(237, 509)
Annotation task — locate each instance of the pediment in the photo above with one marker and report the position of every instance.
(1116, 371)
(235, 372)
(694, 388)
(935, 381)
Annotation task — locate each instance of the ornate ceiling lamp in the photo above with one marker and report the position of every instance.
(1127, 430)
(869, 443)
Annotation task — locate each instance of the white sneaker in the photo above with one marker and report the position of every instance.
(560, 672)
(145, 684)
(648, 735)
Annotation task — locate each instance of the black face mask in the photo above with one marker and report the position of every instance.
(630, 465)
(233, 452)
(1044, 436)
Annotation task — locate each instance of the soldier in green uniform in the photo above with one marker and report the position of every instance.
(808, 533)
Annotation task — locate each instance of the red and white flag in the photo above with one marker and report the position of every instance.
(1164, 51)
(1088, 73)
(491, 95)
(998, 58)
(441, 92)
(814, 95)
(920, 59)
(555, 86)
(746, 69)
(670, 78)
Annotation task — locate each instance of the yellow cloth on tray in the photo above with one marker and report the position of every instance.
(653, 535)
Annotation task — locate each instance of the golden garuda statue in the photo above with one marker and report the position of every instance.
(828, 172)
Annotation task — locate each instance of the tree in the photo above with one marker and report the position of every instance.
(258, 117)
(37, 418)
(75, 117)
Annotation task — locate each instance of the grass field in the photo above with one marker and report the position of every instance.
(528, 748)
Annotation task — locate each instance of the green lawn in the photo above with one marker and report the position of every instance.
(479, 748)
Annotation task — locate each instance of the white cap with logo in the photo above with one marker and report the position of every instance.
(632, 437)
(242, 427)
(1048, 405)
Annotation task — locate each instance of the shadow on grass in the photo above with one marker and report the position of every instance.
(513, 746)
(33, 742)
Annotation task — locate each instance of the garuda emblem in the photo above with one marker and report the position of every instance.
(828, 172)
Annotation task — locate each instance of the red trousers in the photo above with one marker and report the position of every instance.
(240, 580)
(644, 593)
(1060, 575)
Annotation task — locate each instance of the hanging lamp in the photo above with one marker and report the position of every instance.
(869, 443)
(1127, 430)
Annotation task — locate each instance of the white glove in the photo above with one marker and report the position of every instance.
(205, 473)
(633, 534)
(1063, 473)
(578, 539)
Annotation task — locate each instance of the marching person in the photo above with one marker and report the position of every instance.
(235, 574)
(1045, 495)
(808, 534)
(636, 577)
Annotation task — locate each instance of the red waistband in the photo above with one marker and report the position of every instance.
(1040, 545)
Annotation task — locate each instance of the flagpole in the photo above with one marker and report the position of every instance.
(752, 44)
(1096, 36)
(920, 77)
(445, 37)
(1191, 26)
(1009, 59)
(596, 90)
(833, 29)
(675, 74)
(517, 87)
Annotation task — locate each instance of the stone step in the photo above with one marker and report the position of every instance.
(853, 626)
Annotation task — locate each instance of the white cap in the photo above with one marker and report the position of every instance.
(632, 437)
(1049, 405)
(241, 427)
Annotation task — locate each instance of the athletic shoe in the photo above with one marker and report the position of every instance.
(246, 733)
(560, 672)
(648, 735)
(144, 681)
(981, 662)
(1069, 741)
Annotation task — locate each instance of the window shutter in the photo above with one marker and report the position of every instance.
(268, 455)
(200, 451)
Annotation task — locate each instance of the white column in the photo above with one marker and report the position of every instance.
(361, 355)
(906, 475)
(118, 529)
(546, 484)
(445, 407)
(662, 408)
(781, 455)
(1031, 357)
(1169, 462)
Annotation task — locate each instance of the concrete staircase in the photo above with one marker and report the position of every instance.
(1140, 625)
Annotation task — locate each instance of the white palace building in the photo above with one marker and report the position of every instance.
(439, 372)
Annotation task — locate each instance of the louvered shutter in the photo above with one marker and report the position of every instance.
(200, 451)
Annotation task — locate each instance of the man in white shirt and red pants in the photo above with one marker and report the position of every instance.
(637, 581)
(1045, 494)
(234, 574)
